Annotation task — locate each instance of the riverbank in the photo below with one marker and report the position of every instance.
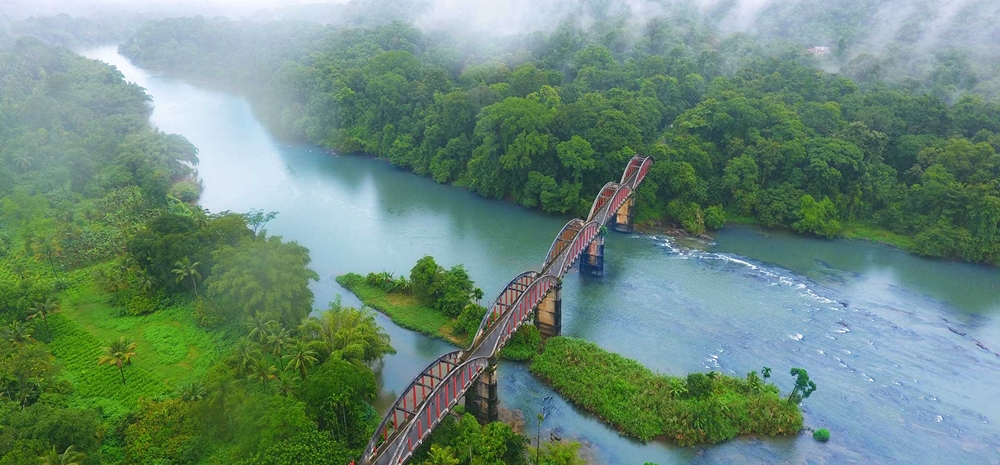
(699, 409)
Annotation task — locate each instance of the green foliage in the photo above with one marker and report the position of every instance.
(311, 447)
(338, 396)
(404, 310)
(170, 431)
(466, 441)
(803, 386)
(262, 276)
(704, 408)
(821, 435)
(523, 345)
(745, 124)
(817, 217)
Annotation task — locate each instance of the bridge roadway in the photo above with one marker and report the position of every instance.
(434, 392)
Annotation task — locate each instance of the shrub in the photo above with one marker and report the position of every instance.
(821, 435)
(523, 344)
(469, 320)
(715, 217)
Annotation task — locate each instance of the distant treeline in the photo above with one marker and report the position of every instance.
(545, 119)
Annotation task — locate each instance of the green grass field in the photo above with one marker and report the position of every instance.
(171, 349)
(405, 311)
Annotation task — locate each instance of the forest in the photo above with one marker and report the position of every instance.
(137, 327)
(744, 128)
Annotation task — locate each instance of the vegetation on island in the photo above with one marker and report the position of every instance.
(441, 303)
(739, 126)
(701, 408)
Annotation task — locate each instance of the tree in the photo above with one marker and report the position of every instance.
(193, 392)
(257, 219)
(265, 276)
(119, 353)
(185, 269)
(301, 359)
(803, 386)
(17, 333)
(424, 277)
(817, 217)
(261, 369)
(441, 456)
(69, 457)
(766, 373)
(43, 310)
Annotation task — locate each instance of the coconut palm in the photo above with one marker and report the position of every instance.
(69, 457)
(277, 339)
(287, 384)
(245, 354)
(260, 328)
(145, 282)
(118, 353)
(262, 370)
(301, 359)
(18, 333)
(185, 269)
(43, 310)
(22, 161)
(193, 392)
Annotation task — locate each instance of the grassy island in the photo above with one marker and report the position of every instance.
(701, 408)
(440, 303)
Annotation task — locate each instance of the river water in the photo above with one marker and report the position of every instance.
(904, 349)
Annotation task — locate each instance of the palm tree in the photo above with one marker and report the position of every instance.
(245, 354)
(118, 353)
(287, 385)
(70, 457)
(193, 392)
(17, 333)
(277, 338)
(22, 161)
(262, 370)
(185, 269)
(43, 310)
(145, 282)
(766, 372)
(47, 250)
(259, 330)
(301, 359)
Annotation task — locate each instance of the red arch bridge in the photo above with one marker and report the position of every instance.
(471, 374)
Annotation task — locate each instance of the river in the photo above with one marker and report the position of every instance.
(904, 349)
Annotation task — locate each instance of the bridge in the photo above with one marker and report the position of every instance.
(471, 374)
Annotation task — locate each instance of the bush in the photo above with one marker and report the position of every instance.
(523, 344)
(715, 217)
(821, 435)
(469, 320)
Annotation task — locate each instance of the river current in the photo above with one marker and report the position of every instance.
(905, 350)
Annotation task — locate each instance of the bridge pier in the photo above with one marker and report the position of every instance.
(481, 400)
(624, 219)
(548, 315)
(592, 258)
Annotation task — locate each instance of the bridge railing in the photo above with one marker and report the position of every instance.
(519, 314)
(411, 400)
(439, 402)
(507, 297)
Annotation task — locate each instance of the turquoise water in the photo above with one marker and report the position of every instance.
(904, 349)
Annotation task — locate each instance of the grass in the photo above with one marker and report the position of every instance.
(646, 405)
(863, 232)
(171, 350)
(405, 310)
